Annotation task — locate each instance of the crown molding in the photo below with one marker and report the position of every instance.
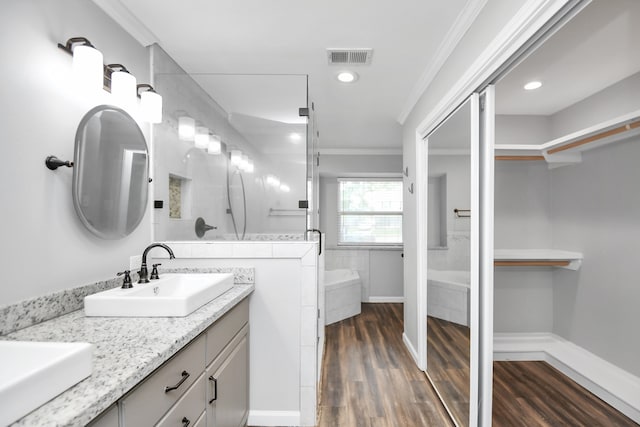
(460, 26)
(127, 20)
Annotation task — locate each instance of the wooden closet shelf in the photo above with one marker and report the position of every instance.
(537, 258)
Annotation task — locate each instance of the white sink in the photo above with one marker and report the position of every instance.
(32, 373)
(173, 295)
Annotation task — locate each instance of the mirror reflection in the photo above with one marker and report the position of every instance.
(233, 151)
(110, 176)
(448, 276)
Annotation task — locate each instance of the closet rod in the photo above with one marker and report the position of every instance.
(596, 137)
(531, 263)
(519, 157)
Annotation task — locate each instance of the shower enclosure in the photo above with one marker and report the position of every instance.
(234, 158)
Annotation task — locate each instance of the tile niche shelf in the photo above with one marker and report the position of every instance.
(568, 149)
(537, 258)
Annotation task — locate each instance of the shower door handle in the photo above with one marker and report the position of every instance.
(315, 230)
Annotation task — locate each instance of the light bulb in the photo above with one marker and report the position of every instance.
(151, 106)
(123, 88)
(215, 145)
(202, 137)
(236, 157)
(88, 67)
(186, 128)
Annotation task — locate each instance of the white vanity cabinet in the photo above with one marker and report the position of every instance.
(204, 384)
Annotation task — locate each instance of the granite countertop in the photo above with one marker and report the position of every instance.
(126, 350)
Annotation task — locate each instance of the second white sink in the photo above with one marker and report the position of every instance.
(173, 295)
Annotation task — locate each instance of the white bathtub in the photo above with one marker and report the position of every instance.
(342, 295)
(448, 295)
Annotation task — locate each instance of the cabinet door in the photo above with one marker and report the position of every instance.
(228, 388)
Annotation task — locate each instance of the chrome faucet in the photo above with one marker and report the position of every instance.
(144, 273)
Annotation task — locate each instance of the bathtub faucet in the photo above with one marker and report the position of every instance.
(315, 230)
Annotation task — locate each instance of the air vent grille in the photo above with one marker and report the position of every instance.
(350, 56)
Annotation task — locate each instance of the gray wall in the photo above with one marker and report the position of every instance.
(593, 208)
(523, 297)
(493, 17)
(381, 270)
(45, 246)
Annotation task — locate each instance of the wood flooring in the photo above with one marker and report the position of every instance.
(369, 378)
(531, 394)
(448, 352)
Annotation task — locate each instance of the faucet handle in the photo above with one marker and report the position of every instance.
(154, 272)
(126, 283)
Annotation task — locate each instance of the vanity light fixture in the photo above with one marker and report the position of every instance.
(533, 85)
(202, 137)
(236, 157)
(186, 128)
(250, 166)
(347, 76)
(150, 103)
(273, 180)
(244, 162)
(88, 67)
(122, 84)
(215, 145)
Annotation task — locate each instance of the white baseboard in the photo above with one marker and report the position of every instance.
(274, 418)
(615, 386)
(376, 300)
(412, 350)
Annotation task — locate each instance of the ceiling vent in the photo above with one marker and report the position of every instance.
(349, 56)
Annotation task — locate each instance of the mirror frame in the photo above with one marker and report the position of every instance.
(108, 234)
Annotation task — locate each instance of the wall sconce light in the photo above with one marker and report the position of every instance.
(202, 137)
(150, 103)
(186, 128)
(273, 180)
(236, 157)
(88, 68)
(122, 84)
(215, 145)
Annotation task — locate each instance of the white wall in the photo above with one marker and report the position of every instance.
(45, 246)
(456, 256)
(380, 270)
(487, 25)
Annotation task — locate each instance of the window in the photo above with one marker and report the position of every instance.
(370, 212)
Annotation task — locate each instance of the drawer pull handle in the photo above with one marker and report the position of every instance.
(185, 422)
(215, 389)
(185, 375)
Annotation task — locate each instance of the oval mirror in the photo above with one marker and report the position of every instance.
(111, 172)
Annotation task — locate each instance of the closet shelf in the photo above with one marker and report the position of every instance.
(568, 149)
(537, 258)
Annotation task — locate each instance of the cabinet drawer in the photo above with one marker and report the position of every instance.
(225, 328)
(189, 408)
(148, 402)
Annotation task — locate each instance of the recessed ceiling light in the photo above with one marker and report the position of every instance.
(347, 76)
(533, 85)
(295, 137)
